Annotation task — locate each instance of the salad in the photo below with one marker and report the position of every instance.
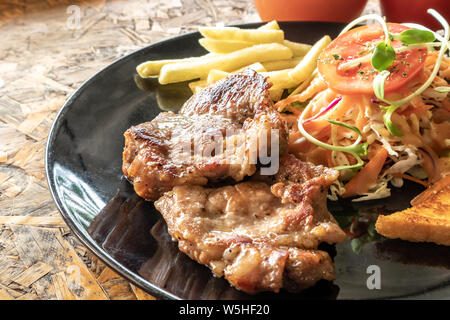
(376, 108)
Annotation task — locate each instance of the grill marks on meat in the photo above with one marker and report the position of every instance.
(238, 98)
(260, 237)
(177, 149)
(154, 159)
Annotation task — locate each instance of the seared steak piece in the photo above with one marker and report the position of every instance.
(260, 237)
(238, 98)
(233, 116)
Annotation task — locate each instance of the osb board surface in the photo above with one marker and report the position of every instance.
(45, 54)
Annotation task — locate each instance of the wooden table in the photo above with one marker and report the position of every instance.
(47, 49)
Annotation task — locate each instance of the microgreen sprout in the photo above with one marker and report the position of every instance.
(442, 89)
(383, 56)
(388, 122)
(356, 149)
(413, 36)
(378, 84)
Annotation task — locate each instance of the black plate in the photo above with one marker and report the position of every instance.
(83, 164)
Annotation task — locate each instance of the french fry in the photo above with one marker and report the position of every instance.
(257, 66)
(196, 86)
(224, 46)
(152, 68)
(304, 69)
(272, 25)
(304, 84)
(250, 35)
(216, 75)
(299, 49)
(199, 69)
(227, 46)
(281, 64)
(280, 79)
(276, 93)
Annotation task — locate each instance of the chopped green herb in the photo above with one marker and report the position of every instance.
(394, 68)
(337, 57)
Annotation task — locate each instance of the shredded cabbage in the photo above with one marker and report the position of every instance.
(336, 190)
(375, 128)
(409, 158)
(380, 191)
(433, 94)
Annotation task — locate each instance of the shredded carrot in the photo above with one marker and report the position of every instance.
(367, 176)
(417, 102)
(446, 104)
(408, 177)
(417, 110)
(317, 85)
(315, 126)
(297, 146)
(344, 105)
(361, 118)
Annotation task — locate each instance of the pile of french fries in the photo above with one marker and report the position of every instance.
(286, 64)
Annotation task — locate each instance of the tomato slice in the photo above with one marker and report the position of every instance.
(353, 78)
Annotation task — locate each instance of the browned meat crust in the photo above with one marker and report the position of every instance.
(238, 98)
(233, 112)
(259, 237)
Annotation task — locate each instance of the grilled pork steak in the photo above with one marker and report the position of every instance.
(259, 236)
(232, 116)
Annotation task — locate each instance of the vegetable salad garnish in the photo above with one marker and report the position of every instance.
(376, 108)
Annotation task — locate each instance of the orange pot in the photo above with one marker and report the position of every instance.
(415, 11)
(310, 10)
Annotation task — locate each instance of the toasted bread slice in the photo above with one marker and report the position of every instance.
(426, 221)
